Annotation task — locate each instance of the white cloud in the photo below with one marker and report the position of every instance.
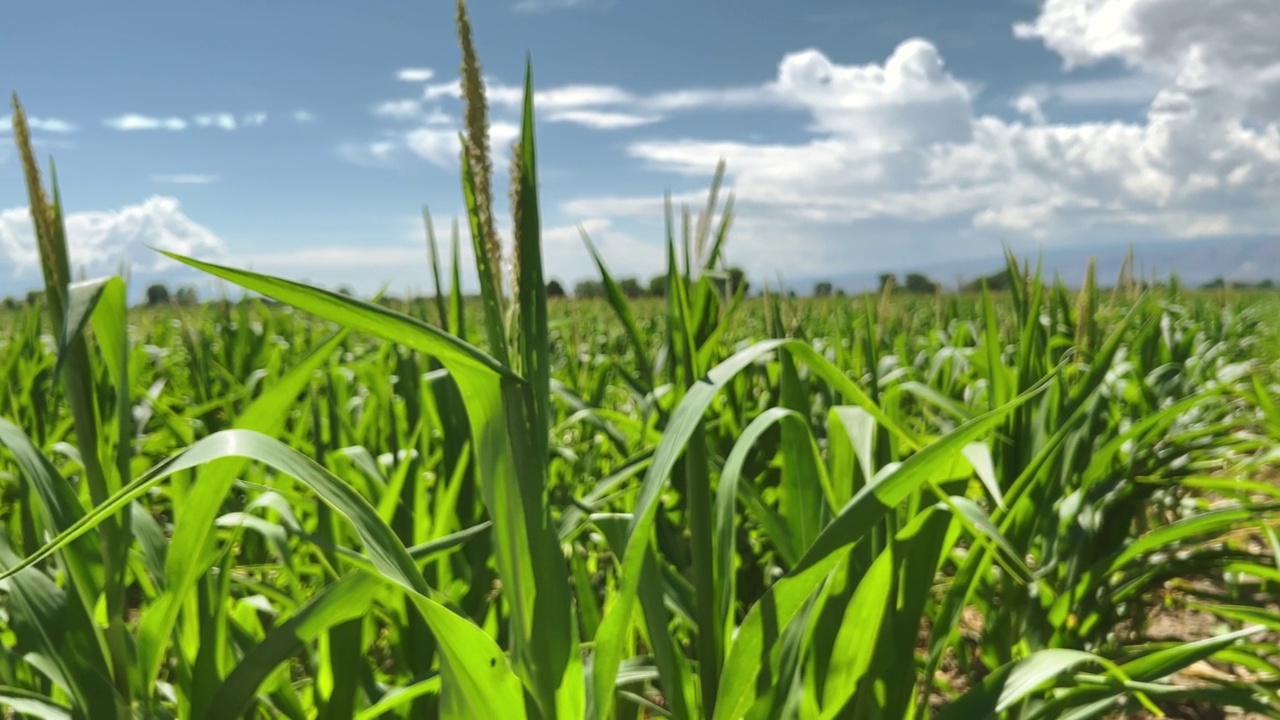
(568, 97)
(379, 153)
(1132, 88)
(399, 267)
(897, 151)
(185, 179)
(225, 121)
(422, 129)
(580, 97)
(50, 125)
(593, 106)
(565, 253)
(417, 75)
(1029, 105)
(540, 6)
(598, 120)
(134, 121)
(406, 109)
(99, 241)
(1224, 49)
(221, 120)
(608, 107)
(303, 117)
(440, 146)
(404, 266)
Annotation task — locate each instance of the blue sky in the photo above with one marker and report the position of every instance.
(303, 138)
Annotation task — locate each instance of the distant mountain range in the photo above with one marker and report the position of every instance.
(1239, 259)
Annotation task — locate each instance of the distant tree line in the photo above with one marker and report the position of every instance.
(1219, 283)
(632, 288)
(914, 284)
(158, 294)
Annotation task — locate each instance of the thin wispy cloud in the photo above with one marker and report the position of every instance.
(609, 107)
(218, 120)
(224, 121)
(598, 120)
(380, 153)
(407, 109)
(50, 125)
(1129, 89)
(133, 121)
(53, 125)
(185, 179)
(415, 74)
(432, 131)
(303, 117)
(541, 6)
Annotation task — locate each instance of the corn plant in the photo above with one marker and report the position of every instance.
(301, 504)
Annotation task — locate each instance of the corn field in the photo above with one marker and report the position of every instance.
(1043, 503)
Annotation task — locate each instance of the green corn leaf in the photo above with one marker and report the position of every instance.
(27, 703)
(194, 529)
(1009, 685)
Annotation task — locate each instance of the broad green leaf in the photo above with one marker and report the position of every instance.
(1008, 685)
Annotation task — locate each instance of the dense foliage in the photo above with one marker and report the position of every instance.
(1037, 504)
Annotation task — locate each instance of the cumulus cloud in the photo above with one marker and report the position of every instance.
(99, 241)
(898, 156)
(1222, 52)
(898, 151)
(1029, 105)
